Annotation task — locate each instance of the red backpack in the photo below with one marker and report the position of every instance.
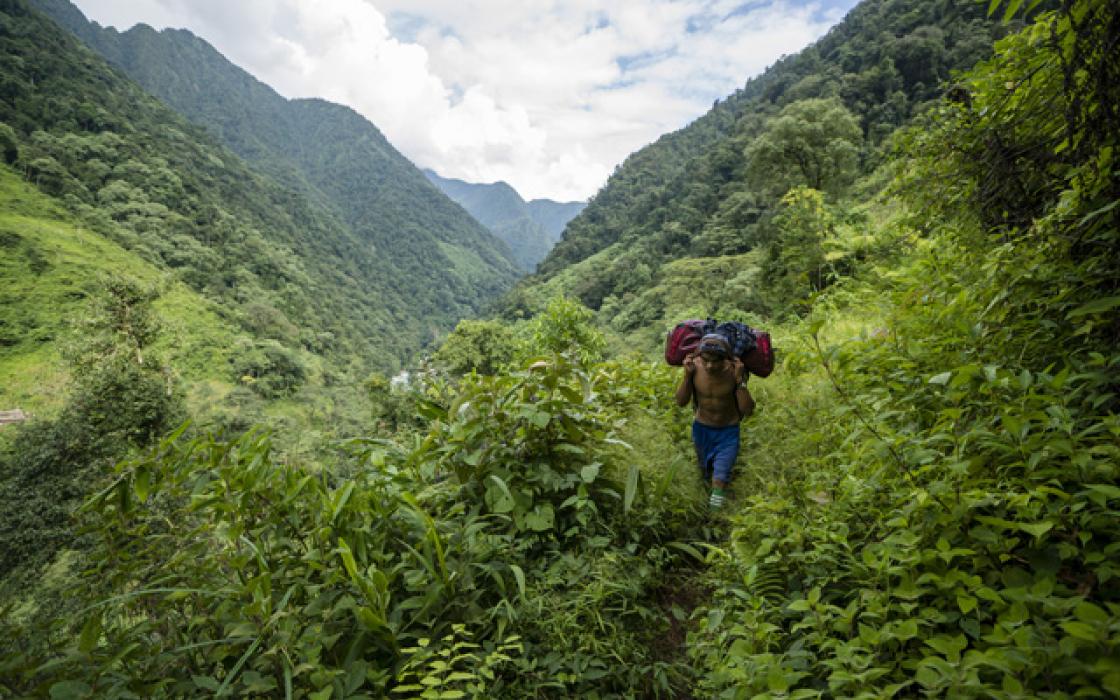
(759, 360)
(685, 338)
(752, 345)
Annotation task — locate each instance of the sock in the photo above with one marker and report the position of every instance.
(716, 499)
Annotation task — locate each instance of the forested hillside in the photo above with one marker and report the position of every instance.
(425, 262)
(926, 503)
(698, 192)
(529, 228)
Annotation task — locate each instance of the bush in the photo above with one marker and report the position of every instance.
(123, 399)
(268, 368)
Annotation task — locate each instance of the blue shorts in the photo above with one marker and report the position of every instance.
(716, 450)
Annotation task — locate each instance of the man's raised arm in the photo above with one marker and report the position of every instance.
(684, 391)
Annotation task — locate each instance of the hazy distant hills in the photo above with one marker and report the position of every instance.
(554, 216)
(330, 153)
(529, 228)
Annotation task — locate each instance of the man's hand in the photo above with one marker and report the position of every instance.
(739, 369)
(690, 363)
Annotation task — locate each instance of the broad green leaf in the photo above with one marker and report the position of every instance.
(688, 549)
(498, 496)
(950, 647)
(1107, 490)
(1080, 630)
(73, 690)
(941, 379)
(589, 472)
(91, 633)
(776, 679)
(537, 417)
(519, 576)
(1037, 529)
(907, 629)
(1111, 683)
(631, 488)
(540, 519)
(341, 500)
(142, 484)
(1095, 307)
(369, 619)
(1087, 612)
(347, 558)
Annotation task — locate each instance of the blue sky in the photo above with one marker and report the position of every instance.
(547, 95)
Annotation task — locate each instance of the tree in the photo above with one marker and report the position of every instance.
(565, 326)
(476, 346)
(813, 143)
(795, 264)
(9, 144)
(123, 398)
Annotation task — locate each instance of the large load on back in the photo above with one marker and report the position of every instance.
(750, 345)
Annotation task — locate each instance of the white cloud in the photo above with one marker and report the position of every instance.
(544, 94)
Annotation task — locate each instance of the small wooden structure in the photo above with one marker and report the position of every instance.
(13, 416)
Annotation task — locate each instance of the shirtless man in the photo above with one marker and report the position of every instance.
(717, 382)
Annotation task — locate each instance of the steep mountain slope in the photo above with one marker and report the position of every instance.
(50, 268)
(334, 157)
(689, 193)
(529, 228)
(358, 289)
(554, 216)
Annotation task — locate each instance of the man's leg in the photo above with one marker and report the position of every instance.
(723, 459)
(703, 461)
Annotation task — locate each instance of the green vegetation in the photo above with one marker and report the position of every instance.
(700, 192)
(122, 398)
(283, 255)
(51, 270)
(388, 227)
(454, 563)
(926, 504)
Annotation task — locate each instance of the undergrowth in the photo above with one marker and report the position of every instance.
(943, 520)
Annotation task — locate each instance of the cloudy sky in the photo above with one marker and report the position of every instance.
(548, 95)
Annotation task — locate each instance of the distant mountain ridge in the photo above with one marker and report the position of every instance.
(328, 152)
(554, 216)
(530, 229)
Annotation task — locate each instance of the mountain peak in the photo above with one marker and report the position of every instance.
(529, 228)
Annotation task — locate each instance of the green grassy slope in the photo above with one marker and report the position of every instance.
(51, 265)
